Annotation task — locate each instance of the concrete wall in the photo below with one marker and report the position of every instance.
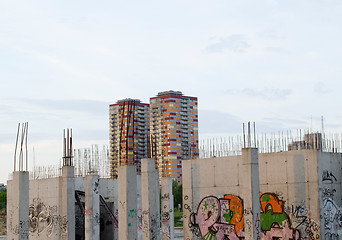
(300, 196)
(329, 182)
(46, 219)
(289, 183)
(207, 181)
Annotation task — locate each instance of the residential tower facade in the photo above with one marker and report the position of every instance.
(174, 131)
(129, 130)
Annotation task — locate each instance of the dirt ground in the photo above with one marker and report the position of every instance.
(3, 222)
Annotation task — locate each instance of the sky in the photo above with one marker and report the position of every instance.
(62, 63)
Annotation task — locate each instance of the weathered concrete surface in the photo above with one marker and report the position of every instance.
(139, 208)
(330, 195)
(290, 179)
(149, 182)
(167, 214)
(92, 208)
(249, 191)
(67, 202)
(209, 181)
(127, 197)
(18, 206)
(300, 195)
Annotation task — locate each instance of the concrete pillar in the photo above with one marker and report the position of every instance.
(139, 208)
(149, 182)
(249, 190)
(167, 214)
(18, 207)
(92, 208)
(157, 201)
(127, 197)
(67, 203)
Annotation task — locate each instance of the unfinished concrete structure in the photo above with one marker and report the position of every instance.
(89, 207)
(299, 198)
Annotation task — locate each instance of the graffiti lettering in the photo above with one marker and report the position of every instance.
(220, 218)
(328, 176)
(224, 219)
(332, 219)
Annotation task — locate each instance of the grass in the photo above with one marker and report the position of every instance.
(178, 218)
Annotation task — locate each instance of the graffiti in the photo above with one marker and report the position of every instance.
(329, 193)
(139, 219)
(45, 218)
(132, 213)
(308, 228)
(96, 186)
(328, 176)
(275, 223)
(223, 218)
(220, 218)
(332, 219)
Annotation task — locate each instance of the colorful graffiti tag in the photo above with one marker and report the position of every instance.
(275, 223)
(220, 219)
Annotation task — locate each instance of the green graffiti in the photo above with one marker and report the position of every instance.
(210, 236)
(269, 218)
(266, 198)
(228, 216)
(205, 205)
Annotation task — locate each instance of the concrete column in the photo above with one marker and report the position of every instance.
(167, 214)
(139, 208)
(249, 180)
(149, 182)
(92, 208)
(18, 207)
(157, 202)
(67, 203)
(127, 197)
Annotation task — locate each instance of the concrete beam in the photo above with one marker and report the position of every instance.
(167, 214)
(92, 208)
(149, 181)
(127, 197)
(67, 203)
(18, 207)
(250, 191)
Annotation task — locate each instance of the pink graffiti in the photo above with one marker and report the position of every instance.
(214, 219)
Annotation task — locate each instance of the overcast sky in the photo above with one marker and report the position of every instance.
(63, 62)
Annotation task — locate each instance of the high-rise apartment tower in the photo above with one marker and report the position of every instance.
(128, 130)
(174, 131)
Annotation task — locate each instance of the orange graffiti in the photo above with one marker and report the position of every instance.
(238, 217)
(269, 199)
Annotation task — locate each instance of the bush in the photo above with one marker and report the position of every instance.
(3, 199)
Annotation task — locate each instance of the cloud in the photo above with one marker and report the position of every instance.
(234, 43)
(321, 88)
(216, 122)
(92, 107)
(34, 107)
(266, 93)
(277, 50)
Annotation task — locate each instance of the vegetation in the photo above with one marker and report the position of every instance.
(177, 194)
(3, 199)
(177, 199)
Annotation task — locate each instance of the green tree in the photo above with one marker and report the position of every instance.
(177, 194)
(3, 199)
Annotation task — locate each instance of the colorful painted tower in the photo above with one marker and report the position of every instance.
(174, 131)
(128, 132)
